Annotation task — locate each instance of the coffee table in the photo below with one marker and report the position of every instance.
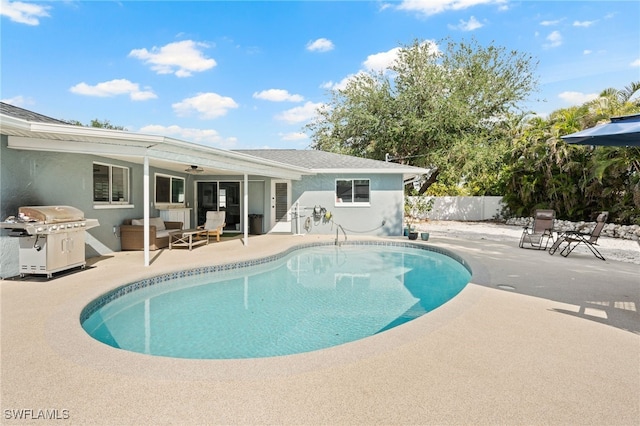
(188, 238)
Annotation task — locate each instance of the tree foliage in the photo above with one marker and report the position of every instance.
(542, 171)
(433, 108)
(102, 124)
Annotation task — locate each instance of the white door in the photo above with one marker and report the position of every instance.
(280, 206)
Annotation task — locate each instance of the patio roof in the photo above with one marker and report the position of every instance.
(32, 131)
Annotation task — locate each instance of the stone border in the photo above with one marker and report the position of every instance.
(612, 230)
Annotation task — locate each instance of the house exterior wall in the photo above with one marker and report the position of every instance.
(387, 201)
(49, 178)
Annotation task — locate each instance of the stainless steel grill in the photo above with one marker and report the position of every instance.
(51, 238)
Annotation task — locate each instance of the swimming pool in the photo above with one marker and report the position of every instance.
(308, 298)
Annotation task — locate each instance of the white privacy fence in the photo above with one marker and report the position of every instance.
(460, 208)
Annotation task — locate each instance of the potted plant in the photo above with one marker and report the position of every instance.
(415, 208)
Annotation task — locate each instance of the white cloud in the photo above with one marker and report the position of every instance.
(299, 114)
(433, 7)
(23, 13)
(181, 58)
(577, 98)
(114, 88)
(207, 105)
(553, 40)
(341, 85)
(19, 101)
(381, 61)
(320, 45)
(587, 52)
(470, 25)
(202, 136)
(277, 95)
(585, 24)
(635, 63)
(550, 23)
(296, 136)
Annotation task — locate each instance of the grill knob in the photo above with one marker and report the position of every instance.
(40, 229)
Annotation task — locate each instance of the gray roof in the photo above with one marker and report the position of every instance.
(322, 160)
(17, 112)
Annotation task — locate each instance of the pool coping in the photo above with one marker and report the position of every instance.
(124, 289)
(84, 349)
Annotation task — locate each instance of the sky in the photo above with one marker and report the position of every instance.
(251, 74)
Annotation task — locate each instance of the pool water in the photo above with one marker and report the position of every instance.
(312, 298)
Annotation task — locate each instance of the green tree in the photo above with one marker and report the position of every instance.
(542, 171)
(102, 124)
(433, 108)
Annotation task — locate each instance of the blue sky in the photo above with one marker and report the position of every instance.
(241, 75)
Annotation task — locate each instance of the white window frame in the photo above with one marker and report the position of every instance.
(171, 178)
(352, 203)
(125, 201)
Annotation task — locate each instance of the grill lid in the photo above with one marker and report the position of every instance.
(50, 214)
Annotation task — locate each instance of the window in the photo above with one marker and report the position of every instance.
(169, 190)
(353, 191)
(110, 184)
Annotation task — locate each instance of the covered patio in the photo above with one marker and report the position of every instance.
(159, 152)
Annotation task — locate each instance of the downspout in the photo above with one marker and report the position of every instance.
(145, 183)
(245, 209)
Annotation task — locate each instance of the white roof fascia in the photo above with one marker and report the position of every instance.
(412, 170)
(75, 147)
(96, 132)
(70, 138)
(13, 122)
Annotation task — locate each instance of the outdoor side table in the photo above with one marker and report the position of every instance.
(188, 238)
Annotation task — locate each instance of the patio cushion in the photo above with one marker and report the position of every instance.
(153, 221)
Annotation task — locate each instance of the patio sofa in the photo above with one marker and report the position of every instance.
(132, 233)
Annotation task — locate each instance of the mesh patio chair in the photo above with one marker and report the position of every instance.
(215, 222)
(540, 233)
(576, 238)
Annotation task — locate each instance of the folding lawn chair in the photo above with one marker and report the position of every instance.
(538, 236)
(576, 238)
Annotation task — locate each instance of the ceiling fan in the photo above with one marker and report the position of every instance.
(193, 169)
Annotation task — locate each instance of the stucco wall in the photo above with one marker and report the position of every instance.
(49, 178)
(386, 205)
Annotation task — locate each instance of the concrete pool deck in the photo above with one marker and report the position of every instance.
(533, 339)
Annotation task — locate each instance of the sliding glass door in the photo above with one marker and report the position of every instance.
(220, 196)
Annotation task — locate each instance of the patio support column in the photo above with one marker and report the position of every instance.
(145, 183)
(245, 209)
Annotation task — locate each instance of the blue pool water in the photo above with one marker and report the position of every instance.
(309, 299)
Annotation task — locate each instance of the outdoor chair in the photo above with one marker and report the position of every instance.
(576, 238)
(540, 233)
(215, 222)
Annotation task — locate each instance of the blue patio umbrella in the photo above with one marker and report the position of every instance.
(621, 131)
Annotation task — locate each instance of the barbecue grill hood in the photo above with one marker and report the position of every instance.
(50, 214)
(34, 220)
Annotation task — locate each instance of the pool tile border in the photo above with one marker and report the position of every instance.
(125, 289)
